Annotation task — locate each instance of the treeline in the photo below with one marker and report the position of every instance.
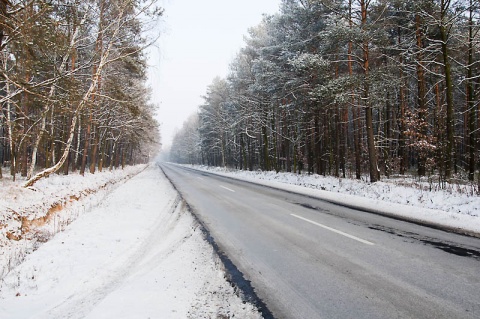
(347, 88)
(72, 85)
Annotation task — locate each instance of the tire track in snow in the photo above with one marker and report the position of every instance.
(79, 304)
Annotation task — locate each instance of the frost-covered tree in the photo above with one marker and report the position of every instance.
(59, 101)
(348, 87)
(186, 144)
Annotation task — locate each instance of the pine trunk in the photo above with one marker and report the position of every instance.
(422, 94)
(402, 145)
(86, 145)
(3, 17)
(355, 112)
(450, 141)
(372, 152)
(470, 100)
(266, 157)
(93, 160)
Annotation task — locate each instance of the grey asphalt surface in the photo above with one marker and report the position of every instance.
(307, 258)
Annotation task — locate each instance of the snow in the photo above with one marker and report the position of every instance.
(456, 208)
(121, 243)
(38, 205)
(133, 251)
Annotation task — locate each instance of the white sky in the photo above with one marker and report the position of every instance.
(199, 39)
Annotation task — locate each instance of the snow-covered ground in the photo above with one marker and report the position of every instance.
(457, 207)
(30, 216)
(121, 244)
(133, 251)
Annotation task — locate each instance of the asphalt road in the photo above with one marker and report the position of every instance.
(307, 258)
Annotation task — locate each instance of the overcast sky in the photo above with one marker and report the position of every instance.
(199, 39)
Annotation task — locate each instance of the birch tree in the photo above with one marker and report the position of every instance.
(123, 15)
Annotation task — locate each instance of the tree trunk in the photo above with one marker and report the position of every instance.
(470, 100)
(123, 157)
(337, 128)
(243, 156)
(93, 160)
(3, 17)
(266, 157)
(343, 131)
(10, 132)
(251, 154)
(275, 145)
(286, 141)
(35, 146)
(388, 137)
(372, 153)
(309, 143)
(439, 125)
(355, 112)
(112, 156)
(422, 95)
(102, 146)
(98, 52)
(26, 132)
(402, 145)
(450, 141)
(318, 150)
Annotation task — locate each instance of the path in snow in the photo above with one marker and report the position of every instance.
(139, 254)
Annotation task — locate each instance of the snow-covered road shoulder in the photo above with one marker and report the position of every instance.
(139, 254)
(31, 216)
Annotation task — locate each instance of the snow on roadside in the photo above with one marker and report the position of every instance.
(29, 216)
(138, 254)
(458, 207)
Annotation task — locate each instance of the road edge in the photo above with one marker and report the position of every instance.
(233, 275)
(416, 221)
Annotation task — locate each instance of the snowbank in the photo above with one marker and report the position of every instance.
(29, 216)
(456, 209)
(138, 254)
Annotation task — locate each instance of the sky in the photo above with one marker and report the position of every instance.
(198, 40)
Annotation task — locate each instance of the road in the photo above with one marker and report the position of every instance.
(307, 258)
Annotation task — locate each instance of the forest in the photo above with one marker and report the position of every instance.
(348, 88)
(73, 92)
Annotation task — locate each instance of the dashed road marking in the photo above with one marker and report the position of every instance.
(334, 230)
(227, 188)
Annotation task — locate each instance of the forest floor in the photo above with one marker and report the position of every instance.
(117, 244)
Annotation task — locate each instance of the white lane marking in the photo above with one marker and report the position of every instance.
(334, 230)
(200, 178)
(227, 188)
